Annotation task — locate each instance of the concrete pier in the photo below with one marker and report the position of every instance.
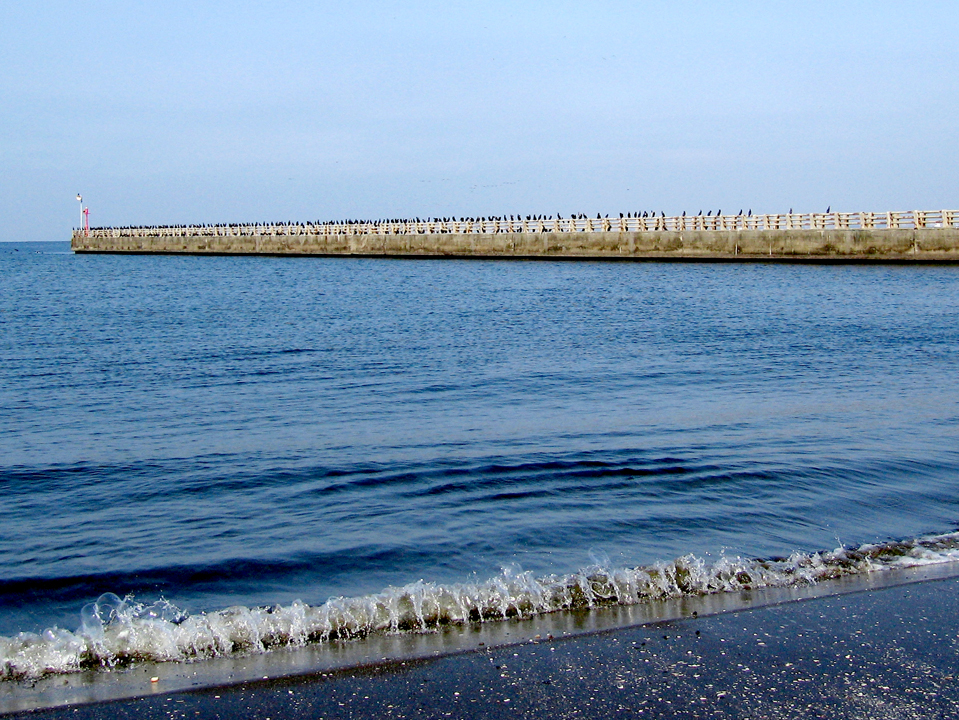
(783, 238)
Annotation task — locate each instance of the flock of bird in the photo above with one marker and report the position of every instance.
(399, 221)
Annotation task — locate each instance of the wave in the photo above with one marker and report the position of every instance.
(116, 632)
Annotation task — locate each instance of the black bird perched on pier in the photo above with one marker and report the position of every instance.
(828, 208)
(709, 213)
(750, 212)
(684, 214)
(790, 211)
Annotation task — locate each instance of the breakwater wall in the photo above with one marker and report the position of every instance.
(891, 236)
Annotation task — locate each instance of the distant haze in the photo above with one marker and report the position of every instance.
(204, 112)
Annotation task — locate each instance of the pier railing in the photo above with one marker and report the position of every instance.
(908, 220)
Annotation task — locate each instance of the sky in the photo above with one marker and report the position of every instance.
(243, 111)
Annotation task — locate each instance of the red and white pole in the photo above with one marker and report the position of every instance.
(86, 221)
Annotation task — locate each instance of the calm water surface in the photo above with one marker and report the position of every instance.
(250, 431)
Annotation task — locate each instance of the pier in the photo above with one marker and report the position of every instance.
(929, 236)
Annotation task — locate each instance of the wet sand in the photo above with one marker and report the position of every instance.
(887, 653)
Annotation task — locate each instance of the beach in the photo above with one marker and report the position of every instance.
(236, 474)
(884, 653)
(479, 360)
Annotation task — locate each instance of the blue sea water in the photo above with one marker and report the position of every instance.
(244, 431)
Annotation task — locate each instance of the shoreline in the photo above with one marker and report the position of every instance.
(263, 681)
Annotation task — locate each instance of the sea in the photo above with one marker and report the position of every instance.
(204, 457)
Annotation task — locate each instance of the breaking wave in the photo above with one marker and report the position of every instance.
(115, 631)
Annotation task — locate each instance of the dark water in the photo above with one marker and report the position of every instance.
(252, 431)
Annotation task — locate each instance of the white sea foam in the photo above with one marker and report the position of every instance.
(116, 632)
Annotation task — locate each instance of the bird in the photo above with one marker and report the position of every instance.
(828, 209)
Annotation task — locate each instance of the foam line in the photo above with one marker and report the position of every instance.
(116, 631)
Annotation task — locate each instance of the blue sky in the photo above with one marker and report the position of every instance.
(244, 111)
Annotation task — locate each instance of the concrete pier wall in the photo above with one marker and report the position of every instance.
(901, 245)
